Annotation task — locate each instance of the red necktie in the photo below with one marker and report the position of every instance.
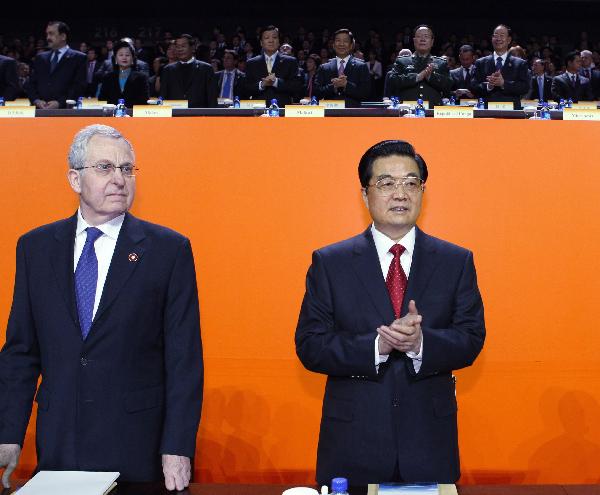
(396, 279)
(341, 68)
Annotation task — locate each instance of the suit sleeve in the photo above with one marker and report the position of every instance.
(290, 83)
(361, 89)
(19, 360)
(447, 349)
(480, 83)
(165, 83)
(521, 84)
(11, 80)
(31, 88)
(440, 79)
(77, 86)
(212, 89)
(587, 92)
(557, 90)
(324, 86)
(183, 358)
(250, 82)
(322, 344)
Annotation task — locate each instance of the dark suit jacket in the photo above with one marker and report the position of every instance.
(200, 87)
(91, 88)
(66, 82)
(238, 82)
(562, 88)
(377, 423)
(403, 79)
(133, 388)
(136, 91)
(289, 84)
(534, 92)
(358, 87)
(516, 79)
(458, 79)
(9, 80)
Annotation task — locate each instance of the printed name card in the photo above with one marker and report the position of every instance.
(304, 111)
(19, 102)
(332, 103)
(175, 103)
(413, 103)
(500, 105)
(17, 112)
(250, 104)
(529, 103)
(152, 111)
(585, 105)
(581, 114)
(468, 101)
(453, 112)
(93, 103)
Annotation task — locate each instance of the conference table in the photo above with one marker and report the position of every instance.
(243, 489)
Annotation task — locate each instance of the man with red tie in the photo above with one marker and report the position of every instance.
(589, 71)
(387, 316)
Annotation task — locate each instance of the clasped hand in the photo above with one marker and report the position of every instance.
(426, 72)
(404, 334)
(269, 80)
(339, 82)
(496, 79)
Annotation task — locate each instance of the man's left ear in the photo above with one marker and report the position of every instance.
(74, 178)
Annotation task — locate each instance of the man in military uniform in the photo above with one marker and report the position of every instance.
(422, 75)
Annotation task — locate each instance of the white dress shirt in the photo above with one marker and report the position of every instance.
(490, 87)
(267, 58)
(383, 244)
(104, 247)
(338, 60)
(61, 52)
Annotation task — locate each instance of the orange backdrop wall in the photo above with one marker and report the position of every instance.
(257, 196)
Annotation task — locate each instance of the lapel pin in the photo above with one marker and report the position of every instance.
(132, 257)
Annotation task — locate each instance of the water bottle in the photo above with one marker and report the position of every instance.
(236, 102)
(120, 110)
(314, 101)
(339, 486)
(274, 108)
(545, 113)
(452, 101)
(570, 103)
(419, 109)
(1, 101)
(561, 104)
(79, 104)
(480, 104)
(160, 100)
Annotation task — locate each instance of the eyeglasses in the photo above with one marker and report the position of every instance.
(106, 169)
(388, 185)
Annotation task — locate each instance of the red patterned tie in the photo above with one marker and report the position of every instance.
(396, 279)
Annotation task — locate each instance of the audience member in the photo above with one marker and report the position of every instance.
(313, 61)
(463, 76)
(154, 81)
(588, 69)
(9, 81)
(230, 79)
(59, 74)
(344, 77)
(541, 84)
(92, 72)
(571, 85)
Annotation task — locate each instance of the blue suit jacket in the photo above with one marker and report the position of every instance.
(133, 389)
(358, 87)
(376, 424)
(517, 79)
(66, 82)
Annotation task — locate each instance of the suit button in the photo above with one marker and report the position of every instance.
(84, 361)
(395, 403)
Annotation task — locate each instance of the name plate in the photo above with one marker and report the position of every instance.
(453, 112)
(500, 105)
(304, 111)
(17, 112)
(92, 103)
(152, 111)
(413, 103)
(585, 105)
(332, 103)
(175, 103)
(250, 104)
(19, 102)
(529, 103)
(468, 101)
(581, 114)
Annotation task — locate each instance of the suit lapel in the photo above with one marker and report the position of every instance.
(423, 265)
(128, 253)
(366, 265)
(61, 259)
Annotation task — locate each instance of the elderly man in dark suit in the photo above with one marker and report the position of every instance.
(189, 79)
(105, 309)
(571, 85)
(59, 74)
(463, 77)
(272, 75)
(500, 76)
(230, 79)
(9, 79)
(420, 75)
(541, 83)
(387, 316)
(592, 73)
(344, 77)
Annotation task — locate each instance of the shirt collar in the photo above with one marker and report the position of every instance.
(110, 228)
(193, 59)
(383, 243)
(503, 57)
(570, 74)
(345, 59)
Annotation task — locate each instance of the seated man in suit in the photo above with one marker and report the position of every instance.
(541, 84)
(387, 316)
(230, 79)
(9, 79)
(59, 74)
(105, 310)
(189, 79)
(592, 73)
(570, 85)
(344, 77)
(92, 72)
(501, 76)
(272, 74)
(463, 76)
(421, 75)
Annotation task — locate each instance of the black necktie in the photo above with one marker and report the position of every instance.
(467, 76)
(499, 63)
(54, 61)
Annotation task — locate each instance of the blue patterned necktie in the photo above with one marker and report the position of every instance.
(86, 279)
(227, 86)
(499, 63)
(541, 87)
(54, 61)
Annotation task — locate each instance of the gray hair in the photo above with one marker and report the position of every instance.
(78, 149)
(586, 53)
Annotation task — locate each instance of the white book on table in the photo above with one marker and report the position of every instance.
(70, 483)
